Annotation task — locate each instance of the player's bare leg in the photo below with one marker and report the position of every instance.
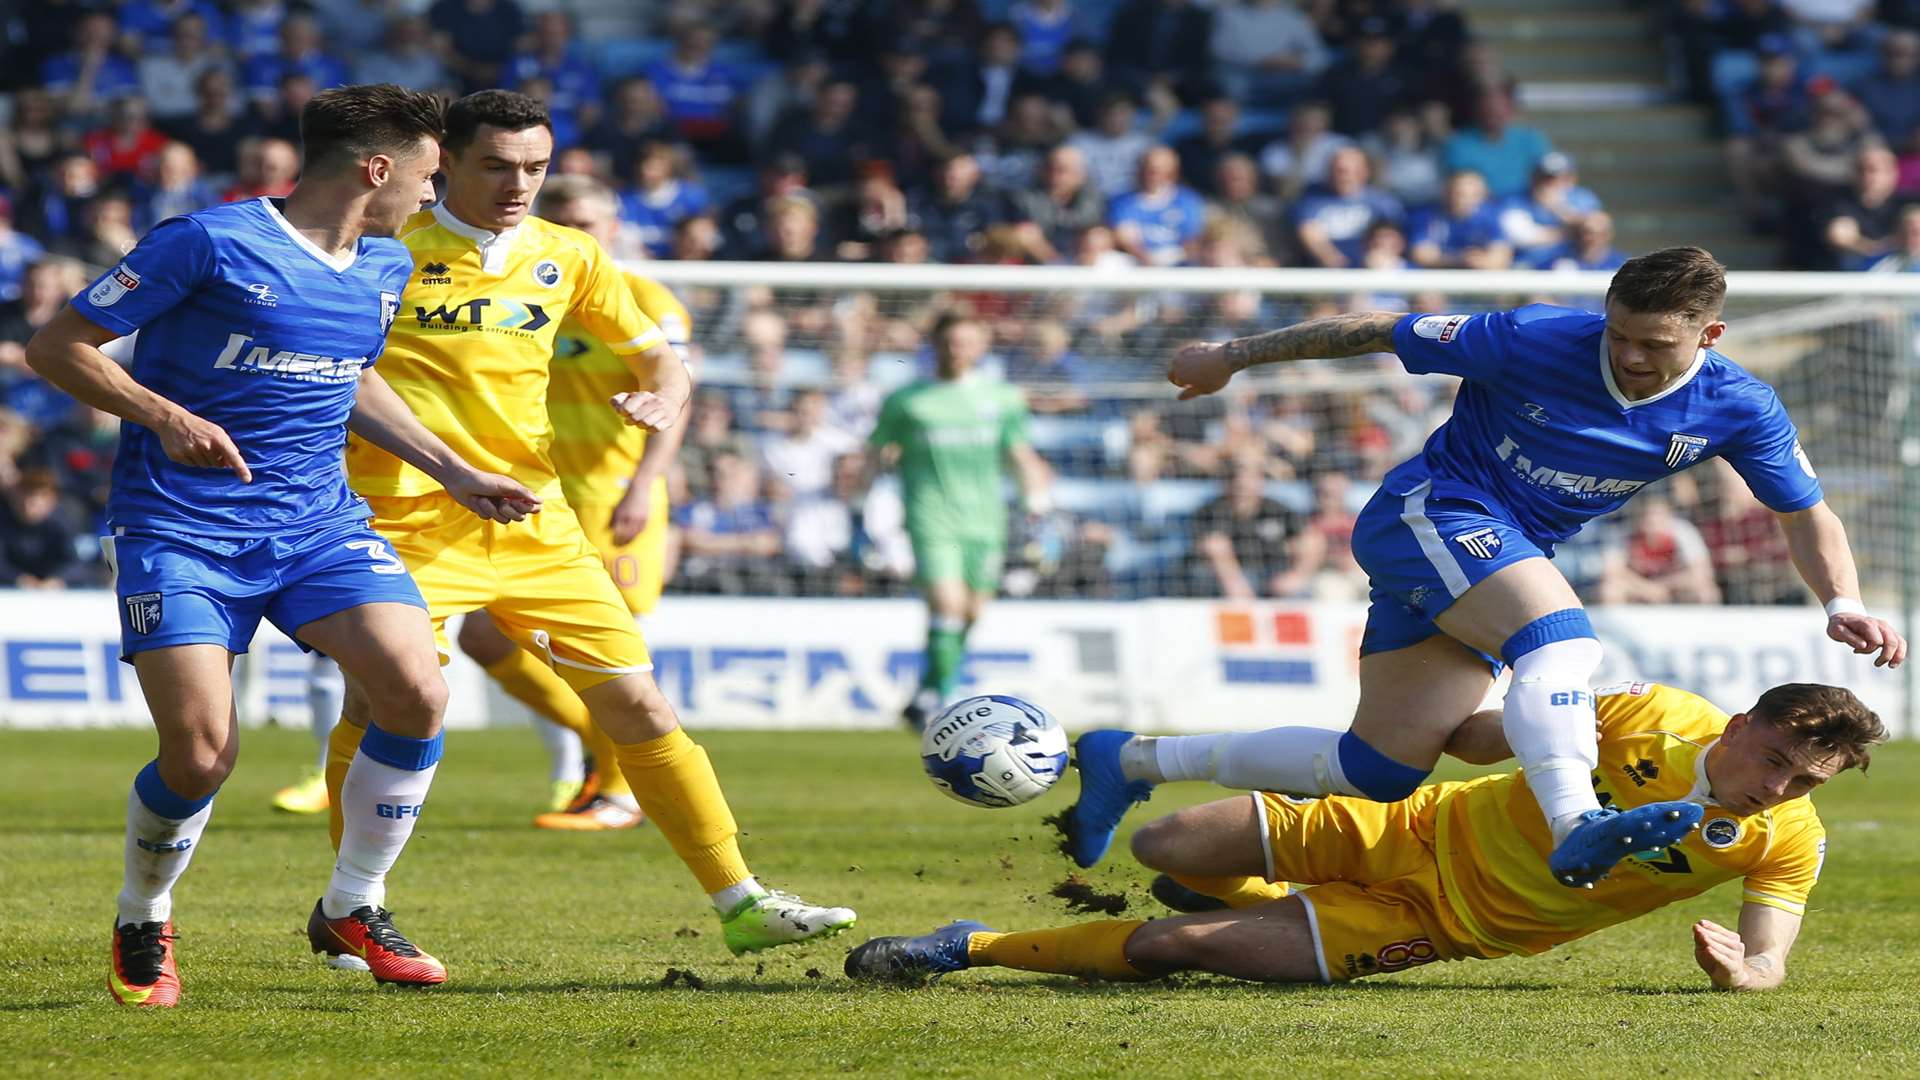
(952, 609)
(676, 787)
(386, 651)
(189, 693)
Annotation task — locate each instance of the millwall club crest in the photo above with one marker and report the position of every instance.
(1684, 450)
(143, 612)
(389, 304)
(1480, 543)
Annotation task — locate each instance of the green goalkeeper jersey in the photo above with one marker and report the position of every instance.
(953, 439)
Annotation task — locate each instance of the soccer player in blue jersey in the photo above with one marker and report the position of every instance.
(1562, 416)
(259, 324)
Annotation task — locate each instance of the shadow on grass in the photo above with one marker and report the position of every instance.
(1663, 991)
(838, 984)
(40, 1006)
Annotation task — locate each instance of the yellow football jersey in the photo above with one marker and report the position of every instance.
(593, 449)
(470, 348)
(1492, 843)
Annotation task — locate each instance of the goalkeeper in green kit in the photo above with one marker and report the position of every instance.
(952, 438)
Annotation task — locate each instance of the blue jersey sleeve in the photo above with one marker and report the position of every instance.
(167, 265)
(1470, 346)
(1772, 462)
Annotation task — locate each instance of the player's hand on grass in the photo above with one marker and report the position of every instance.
(1721, 954)
(1199, 369)
(190, 440)
(493, 496)
(1865, 634)
(631, 514)
(646, 409)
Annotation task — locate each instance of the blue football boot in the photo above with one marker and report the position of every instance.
(1105, 795)
(913, 959)
(1604, 837)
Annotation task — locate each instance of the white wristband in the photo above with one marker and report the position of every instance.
(1845, 605)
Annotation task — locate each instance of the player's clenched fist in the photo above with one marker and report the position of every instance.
(1199, 369)
(645, 409)
(190, 440)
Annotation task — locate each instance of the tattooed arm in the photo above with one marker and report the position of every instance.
(1203, 369)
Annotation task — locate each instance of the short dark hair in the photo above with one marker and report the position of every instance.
(503, 109)
(352, 123)
(1828, 720)
(1672, 281)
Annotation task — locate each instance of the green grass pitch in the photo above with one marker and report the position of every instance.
(558, 945)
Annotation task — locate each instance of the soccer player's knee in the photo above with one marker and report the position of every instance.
(198, 769)
(1156, 843)
(412, 704)
(1373, 774)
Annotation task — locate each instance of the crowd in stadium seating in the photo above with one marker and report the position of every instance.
(1370, 133)
(1820, 103)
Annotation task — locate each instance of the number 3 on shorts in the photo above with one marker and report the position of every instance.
(384, 560)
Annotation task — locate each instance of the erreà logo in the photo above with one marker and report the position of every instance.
(435, 273)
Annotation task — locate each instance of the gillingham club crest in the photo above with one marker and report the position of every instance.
(143, 612)
(1683, 450)
(1480, 543)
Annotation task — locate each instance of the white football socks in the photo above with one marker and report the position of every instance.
(327, 697)
(1548, 719)
(1298, 760)
(158, 850)
(736, 894)
(568, 759)
(379, 804)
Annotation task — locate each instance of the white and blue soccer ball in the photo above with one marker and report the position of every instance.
(994, 750)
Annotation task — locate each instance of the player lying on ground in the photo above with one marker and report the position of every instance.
(1563, 415)
(470, 352)
(1459, 870)
(259, 322)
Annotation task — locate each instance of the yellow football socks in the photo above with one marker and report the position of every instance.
(1235, 892)
(1094, 950)
(533, 684)
(675, 786)
(342, 744)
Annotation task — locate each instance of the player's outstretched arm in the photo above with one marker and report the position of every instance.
(1753, 959)
(1202, 369)
(383, 419)
(66, 352)
(1818, 542)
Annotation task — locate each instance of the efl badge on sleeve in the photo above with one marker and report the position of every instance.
(389, 305)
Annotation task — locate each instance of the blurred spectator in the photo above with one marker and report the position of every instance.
(825, 136)
(1859, 228)
(976, 92)
(1238, 199)
(299, 53)
(1665, 562)
(168, 77)
(1432, 37)
(1758, 118)
(636, 118)
(253, 26)
(729, 539)
(46, 288)
(1160, 41)
(1155, 222)
(150, 25)
(843, 30)
(1501, 151)
(793, 231)
(943, 29)
(357, 27)
(802, 457)
(18, 251)
(126, 147)
(743, 222)
(1589, 248)
(478, 37)
(917, 143)
(661, 197)
(1219, 136)
(215, 130)
(1246, 545)
(556, 56)
(278, 116)
(1891, 95)
(1463, 233)
(1046, 29)
(54, 212)
(1052, 217)
(710, 434)
(31, 142)
(1332, 224)
(36, 547)
(1820, 157)
(94, 73)
(1113, 150)
(760, 402)
(1541, 219)
(1905, 256)
(781, 95)
(1405, 159)
(1385, 249)
(1081, 84)
(104, 234)
(956, 215)
(1011, 157)
(1751, 561)
(696, 239)
(1339, 578)
(268, 167)
(824, 532)
(877, 210)
(1300, 161)
(1365, 90)
(1265, 52)
(405, 56)
(176, 188)
(1050, 370)
(699, 92)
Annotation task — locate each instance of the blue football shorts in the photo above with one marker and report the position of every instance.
(1421, 552)
(176, 589)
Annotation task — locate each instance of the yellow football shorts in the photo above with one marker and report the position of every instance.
(639, 566)
(1375, 903)
(539, 579)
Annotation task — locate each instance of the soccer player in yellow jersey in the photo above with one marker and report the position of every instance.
(469, 353)
(614, 476)
(1459, 870)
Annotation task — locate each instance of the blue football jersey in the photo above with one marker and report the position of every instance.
(1540, 427)
(246, 323)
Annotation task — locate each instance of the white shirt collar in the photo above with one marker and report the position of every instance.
(337, 263)
(1702, 792)
(1606, 372)
(494, 246)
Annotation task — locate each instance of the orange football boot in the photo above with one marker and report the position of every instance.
(143, 973)
(598, 814)
(369, 934)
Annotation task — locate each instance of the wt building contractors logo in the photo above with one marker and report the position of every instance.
(1267, 647)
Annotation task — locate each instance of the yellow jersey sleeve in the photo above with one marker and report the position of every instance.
(1791, 867)
(605, 306)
